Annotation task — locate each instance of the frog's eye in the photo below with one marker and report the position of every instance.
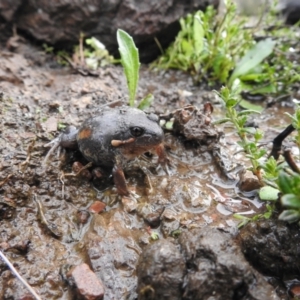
(136, 131)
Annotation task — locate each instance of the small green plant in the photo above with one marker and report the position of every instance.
(245, 220)
(278, 180)
(90, 53)
(131, 65)
(154, 236)
(219, 49)
(209, 45)
(96, 55)
(249, 136)
(48, 49)
(289, 185)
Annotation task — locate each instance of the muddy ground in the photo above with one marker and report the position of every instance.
(85, 221)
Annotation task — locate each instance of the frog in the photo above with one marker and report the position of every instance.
(113, 137)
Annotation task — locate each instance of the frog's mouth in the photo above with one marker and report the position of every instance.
(129, 149)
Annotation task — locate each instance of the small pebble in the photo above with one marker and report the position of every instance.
(97, 207)
(88, 285)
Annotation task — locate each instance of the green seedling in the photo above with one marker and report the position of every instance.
(154, 236)
(48, 49)
(131, 65)
(271, 171)
(130, 62)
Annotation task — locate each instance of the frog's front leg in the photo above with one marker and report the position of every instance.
(163, 158)
(119, 178)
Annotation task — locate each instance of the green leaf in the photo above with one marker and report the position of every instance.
(249, 106)
(146, 102)
(269, 212)
(259, 134)
(290, 215)
(248, 112)
(285, 183)
(260, 153)
(94, 43)
(268, 193)
(198, 34)
(221, 121)
(244, 220)
(250, 130)
(231, 103)
(253, 58)
(259, 89)
(291, 200)
(169, 125)
(154, 236)
(130, 61)
(240, 217)
(187, 49)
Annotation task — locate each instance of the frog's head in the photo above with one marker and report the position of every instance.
(140, 132)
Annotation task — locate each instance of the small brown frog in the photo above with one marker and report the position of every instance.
(112, 138)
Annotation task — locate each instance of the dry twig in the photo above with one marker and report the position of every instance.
(12, 268)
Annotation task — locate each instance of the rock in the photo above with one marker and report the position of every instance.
(88, 286)
(144, 21)
(291, 11)
(113, 252)
(8, 8)
(160, 271)
(207, 265)
(272, 246)
(97, 207)
(151, 216)
(217, 269)
(248, 182)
